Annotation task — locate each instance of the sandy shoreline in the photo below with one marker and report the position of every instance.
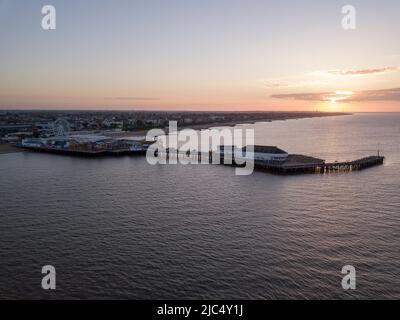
(290, 116)
(6, 148)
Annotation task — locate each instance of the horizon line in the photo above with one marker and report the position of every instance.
(180, 110)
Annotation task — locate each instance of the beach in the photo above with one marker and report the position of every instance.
(6, 148)
(265, 117)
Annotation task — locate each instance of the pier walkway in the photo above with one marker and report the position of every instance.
(294, 164)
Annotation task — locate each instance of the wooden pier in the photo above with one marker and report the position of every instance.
(298, 164)
(355, 165)
(294, 164)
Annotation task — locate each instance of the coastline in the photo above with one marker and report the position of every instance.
(269, 117)
(6, 149)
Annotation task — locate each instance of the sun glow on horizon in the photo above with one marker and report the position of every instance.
(344, 92)
(340, 95)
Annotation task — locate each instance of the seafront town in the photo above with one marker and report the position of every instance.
(18, 124)
(93, 130)
(86, 144)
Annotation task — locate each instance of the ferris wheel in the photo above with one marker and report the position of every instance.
(61, 128)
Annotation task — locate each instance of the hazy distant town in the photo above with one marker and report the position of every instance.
(16, 125)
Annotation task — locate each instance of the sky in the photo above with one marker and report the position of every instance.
(230, 55)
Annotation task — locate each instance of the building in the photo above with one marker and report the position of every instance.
(33, 143)
(266, 153)
(13, 128)
(90, 142)
(259, 153)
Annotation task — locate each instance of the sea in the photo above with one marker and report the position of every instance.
(120, 228)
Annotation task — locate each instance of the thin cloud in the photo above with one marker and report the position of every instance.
(312, 96)
(377, 95)
(357, 96)
(362, 72)
(319, 78)
(293, 83)
(132, 98)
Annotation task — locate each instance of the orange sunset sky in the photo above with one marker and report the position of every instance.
(200, 55)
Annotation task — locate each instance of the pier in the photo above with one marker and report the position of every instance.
(291, 165)
(294, 163)
(299, 164)
(355, 165)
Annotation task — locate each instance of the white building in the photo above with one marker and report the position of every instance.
(266, 153)
(259, 153)
(33, 143)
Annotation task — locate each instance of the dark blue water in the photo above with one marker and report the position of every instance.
(120, 228)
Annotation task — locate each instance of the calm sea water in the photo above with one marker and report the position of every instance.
(120, 228)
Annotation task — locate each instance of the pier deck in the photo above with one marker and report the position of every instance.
(294, 164)
(358, 164)
(297, 164)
